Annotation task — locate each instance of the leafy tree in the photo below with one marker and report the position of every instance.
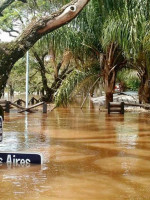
(6, 3)
(11, 52)
(118, 34)
(52, 66)
(108, 56)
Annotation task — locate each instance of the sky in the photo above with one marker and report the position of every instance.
(4, 37)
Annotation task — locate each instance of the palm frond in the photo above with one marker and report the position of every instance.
(65, 92)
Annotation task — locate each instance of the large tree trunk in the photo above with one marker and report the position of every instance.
(109, 71)
(49, 91)
(111, 62)
(109, 84)
(144, 89)
(13, 51)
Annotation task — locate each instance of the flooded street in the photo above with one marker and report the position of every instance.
(87, 155)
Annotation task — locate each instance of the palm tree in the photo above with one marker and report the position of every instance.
(116, 32)
(109, 55)
(131, 32)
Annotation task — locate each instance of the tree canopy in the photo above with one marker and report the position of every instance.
(106, 37)
(37, 28)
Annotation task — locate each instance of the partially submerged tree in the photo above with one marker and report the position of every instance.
(13, 51)
(131, 31)
(113, 61)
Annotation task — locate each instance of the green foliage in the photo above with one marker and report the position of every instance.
(69, 85)
(130, 30)
(99, 24)
(133, 84)
(128, 79)
(18, 76)
(18, 15)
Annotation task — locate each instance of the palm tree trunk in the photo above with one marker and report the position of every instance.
(109, 98)
(144, 89)
(109, 84)
(113, 61)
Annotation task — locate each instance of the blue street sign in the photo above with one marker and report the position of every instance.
(20, 158)
(16, 159)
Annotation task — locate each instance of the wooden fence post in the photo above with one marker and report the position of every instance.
(109, 108)
(122, 107)
(7, 107)
(45, 107)
(116, 107)
(2, 112)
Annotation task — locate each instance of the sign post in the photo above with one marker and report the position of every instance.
(27, 78)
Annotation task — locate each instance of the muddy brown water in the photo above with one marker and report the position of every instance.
(87, 155)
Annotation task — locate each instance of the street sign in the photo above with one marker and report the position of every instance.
(1, 128)
(20, 158)
(16, 159)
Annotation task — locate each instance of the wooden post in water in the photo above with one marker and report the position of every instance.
(122, 108)
(7, 107)
(109, 108)
(2, 112)
(45, 107)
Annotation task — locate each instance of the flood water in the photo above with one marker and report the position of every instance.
(88, 155)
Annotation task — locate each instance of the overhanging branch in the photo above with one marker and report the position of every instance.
(11, 52)
(38, 28)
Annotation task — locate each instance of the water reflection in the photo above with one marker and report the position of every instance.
(26, 130)
(127, 136)
(87, 155)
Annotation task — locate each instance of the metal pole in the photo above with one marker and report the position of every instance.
(27, 78)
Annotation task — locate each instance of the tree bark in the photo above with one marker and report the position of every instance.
(112, 62)
(109, 72)
(144, 89)
(11, 52)
(109, 85)
(48, 97)
(47, 89)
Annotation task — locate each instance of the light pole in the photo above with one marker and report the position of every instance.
(27, 78)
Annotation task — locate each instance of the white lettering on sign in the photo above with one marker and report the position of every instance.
(21, 159)
(14, 160)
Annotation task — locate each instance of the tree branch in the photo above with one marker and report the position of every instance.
(38, 28)
(11, 52)
(45, 25)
